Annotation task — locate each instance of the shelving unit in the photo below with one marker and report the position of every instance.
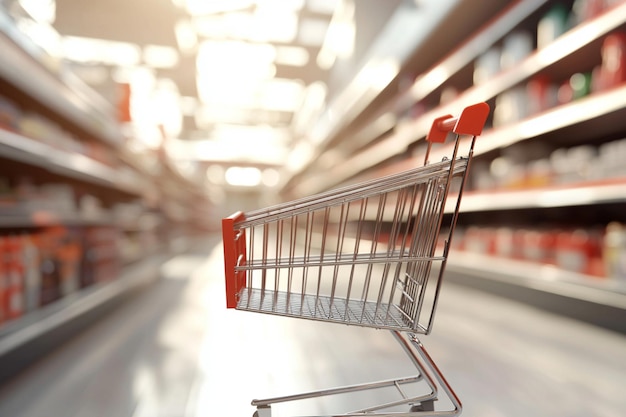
(390, 140)
(104, 222)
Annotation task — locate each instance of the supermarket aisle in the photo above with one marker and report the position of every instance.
(174, 351)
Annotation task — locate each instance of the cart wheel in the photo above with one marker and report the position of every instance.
(428, 405)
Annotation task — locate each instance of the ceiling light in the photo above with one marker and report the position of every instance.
(156, 56)
(312, 32)
(272, 24)
(186, 37)
(243, 176)
(295, 56)
(88, 50)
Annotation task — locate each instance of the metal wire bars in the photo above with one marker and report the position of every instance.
(360, 255)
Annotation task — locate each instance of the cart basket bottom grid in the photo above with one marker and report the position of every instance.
(325, 308)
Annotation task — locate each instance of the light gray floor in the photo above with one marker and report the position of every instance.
(175, 351)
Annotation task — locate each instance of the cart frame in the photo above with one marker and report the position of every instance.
(318, 243)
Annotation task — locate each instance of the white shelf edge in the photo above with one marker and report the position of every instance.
(545, 197)
(73, 165)
(540, 277)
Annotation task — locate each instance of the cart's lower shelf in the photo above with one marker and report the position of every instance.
(325, 308)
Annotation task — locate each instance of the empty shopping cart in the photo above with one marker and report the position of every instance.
(371, 254)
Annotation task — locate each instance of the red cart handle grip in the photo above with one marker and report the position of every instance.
(470, 122)
(234, 255)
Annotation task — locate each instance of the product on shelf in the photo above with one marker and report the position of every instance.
(32, 271)
(579, 251)
(615, 251)
(10, 114)
(516, 47)
(552, 25)
(542, 94)
(612, 71)
(574, 250)
(511, 106)
(487, 65)
(50, 289)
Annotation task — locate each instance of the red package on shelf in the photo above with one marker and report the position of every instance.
(613, 69)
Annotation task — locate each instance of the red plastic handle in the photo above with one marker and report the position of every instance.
(470, 122)
(234, 242)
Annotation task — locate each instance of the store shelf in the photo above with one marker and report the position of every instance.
(592, 299)
(407, 133)
(22, 339)
(600, 192)
(70, 99)
(43, 218)
(72, 165)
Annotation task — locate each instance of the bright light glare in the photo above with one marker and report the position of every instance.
(312, 31)
(185, 36)
(243, 176)
(292, 55)
(229, 71)
(89, 50)
(157, 56)
(165, 102)
(378, 75)
(272, 24)
(43, 11)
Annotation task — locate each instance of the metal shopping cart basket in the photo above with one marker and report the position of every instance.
(370, 255)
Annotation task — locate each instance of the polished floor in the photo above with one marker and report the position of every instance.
(175, 351)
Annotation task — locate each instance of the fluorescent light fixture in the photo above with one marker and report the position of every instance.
(243, 176)
(165, 103)
(312, 31)
(228, 143)
(157, 56)
(271, 24)
(89, 50)
(295, 56)
(229, 71)
(186, 36)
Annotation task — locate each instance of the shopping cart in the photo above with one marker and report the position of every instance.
(370, 255)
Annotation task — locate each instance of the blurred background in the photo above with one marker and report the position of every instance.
(130, 128)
